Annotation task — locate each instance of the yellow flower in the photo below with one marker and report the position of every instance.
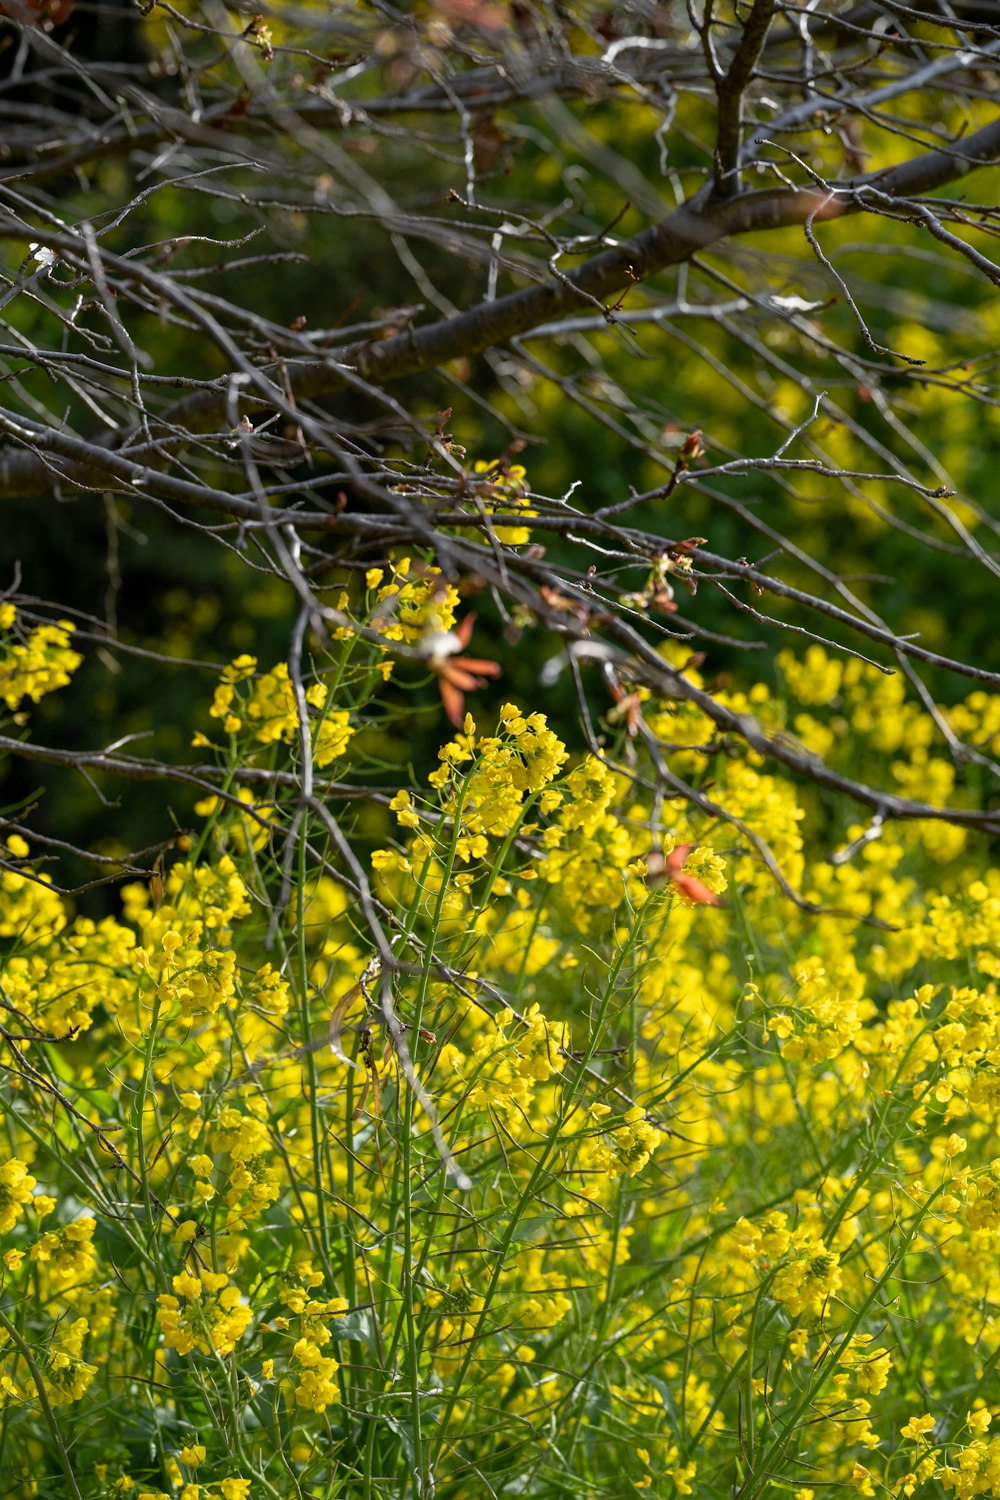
(402, 805)
(916, 1427)
(240, 668)
(186, 1285)
(67, 1376)
(68, 1253)
(214, 1319)
(43, 663)
(15, 1191)
(235, 1489)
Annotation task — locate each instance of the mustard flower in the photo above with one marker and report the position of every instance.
(211, 1316)
(66, 1254)
(15, 1191)
(42, 664)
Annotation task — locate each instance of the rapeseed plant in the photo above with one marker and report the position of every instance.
(488, 1161)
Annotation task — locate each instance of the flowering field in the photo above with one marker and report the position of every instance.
(509, 1129)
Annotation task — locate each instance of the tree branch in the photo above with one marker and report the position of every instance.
(730, 91)
(695, 226)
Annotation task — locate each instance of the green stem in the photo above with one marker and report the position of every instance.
(50, 1416)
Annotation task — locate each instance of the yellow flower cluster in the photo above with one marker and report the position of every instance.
(513, 1056)
(628, 1147)
(66, 1256)
(505, 496)
(40, 663)
(15, 1191)
(504, 771)
(270, 710)
(315, 1388)
(204, 1312)
(415, 602)
(593, 1132)
(67, 1376)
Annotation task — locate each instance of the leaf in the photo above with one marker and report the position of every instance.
(336, 1027)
